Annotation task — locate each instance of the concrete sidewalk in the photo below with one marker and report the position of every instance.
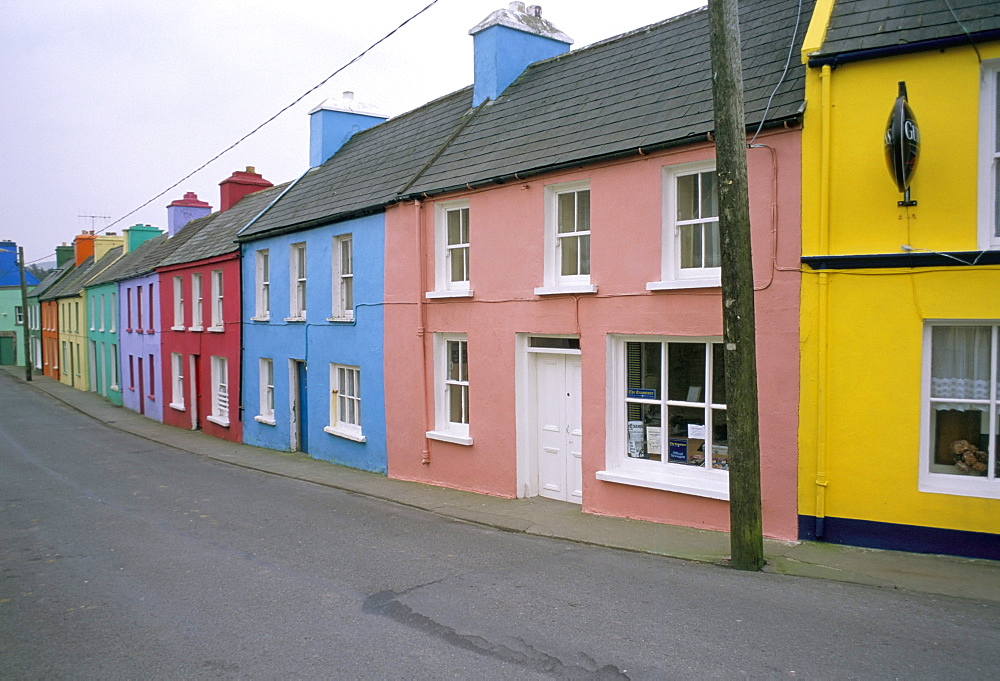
(933, 574)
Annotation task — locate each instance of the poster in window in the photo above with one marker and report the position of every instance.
(636, 438)
(654, 441)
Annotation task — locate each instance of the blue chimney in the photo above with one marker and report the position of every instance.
(506, 42)
(333, 122)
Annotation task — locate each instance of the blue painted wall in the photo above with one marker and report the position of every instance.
(318, 342)
(502, 54)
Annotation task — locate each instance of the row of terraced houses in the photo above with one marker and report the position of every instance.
(515, 289)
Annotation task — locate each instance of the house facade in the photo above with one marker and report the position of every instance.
(200, 300)
(553, 304)
(103, 325)
(64, 255)
(900, 322)
(13, 314)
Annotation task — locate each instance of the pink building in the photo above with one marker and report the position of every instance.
(554, 317)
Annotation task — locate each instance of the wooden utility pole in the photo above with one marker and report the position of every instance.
(24, 315)
(746, 537)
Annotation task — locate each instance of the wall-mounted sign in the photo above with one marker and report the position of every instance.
(902, 145)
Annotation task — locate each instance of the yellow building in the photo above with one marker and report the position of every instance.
(93, 254)
(901, 299)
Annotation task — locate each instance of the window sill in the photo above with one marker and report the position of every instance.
(445, 436)
(960, 485)
(297, 320)
(178, 328)
(357, 437)
(115, 388)
(682, 284)
(341, 320)
(218, 421)
(462, 293)
(265, 420)
(564, 290)
(151, 398)
(215, 329)
(710, 485)
(261, 319)
(196, 328)
(178, 407)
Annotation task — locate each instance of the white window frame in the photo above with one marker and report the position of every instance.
(91, 312)
(177, 381)
(554, 281)
(19, 315)
(218, 321)
(621, 468)
(989, 156)
(343, 278)
(265, 391)
(178, 304)
(444, 252)
(197, 303)
(345, 399)
(103, 312)
(297, 289)
(220, 391)
(988, 486)
(445, 429)
(672, 275)
(262, 278)
(114, 368)
(114, 312)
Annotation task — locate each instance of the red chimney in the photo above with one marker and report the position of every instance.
(83, 246)
(238, 185)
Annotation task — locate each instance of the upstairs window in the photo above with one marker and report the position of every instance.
(138, 312)
(178, 303)
(196, 302)
(451, 250)
(989, 155)
(114, 312)
(262, 276)
(567, 239)
(297, 283)
(691, 252)
(217, 319)
(19, 315)
(343, 278)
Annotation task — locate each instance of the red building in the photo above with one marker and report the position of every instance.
(200, 308)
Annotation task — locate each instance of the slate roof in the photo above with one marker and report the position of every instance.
(859, 25)
(48, 281)
(369, 170)
(648, 88)
(215, 234)
(70, 284)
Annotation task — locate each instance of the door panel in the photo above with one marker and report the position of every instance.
(558, 430)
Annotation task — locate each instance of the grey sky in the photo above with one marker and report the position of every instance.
(106, 103)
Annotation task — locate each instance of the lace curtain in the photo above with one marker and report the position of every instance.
(960, 365)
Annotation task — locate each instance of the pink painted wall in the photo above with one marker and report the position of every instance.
(507, 264)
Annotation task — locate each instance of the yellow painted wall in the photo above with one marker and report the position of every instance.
(861, 339)
(75, 338)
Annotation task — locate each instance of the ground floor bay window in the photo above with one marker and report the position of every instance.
(667, 422)
(960, 410)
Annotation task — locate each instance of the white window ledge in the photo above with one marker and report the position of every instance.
(216, 329)
(459, 293)
(178, 407)
(567, 289)
(261, 319)
(445, 436)
(115, 388)
(218, 420)
(340, 320)
(959, 485)
(178, 328)
(714, 487)
(295, 319)
(196, 328)
(682, 284)
(357, 437)
(267, 421)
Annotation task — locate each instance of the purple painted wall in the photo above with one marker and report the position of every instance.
(141, 377)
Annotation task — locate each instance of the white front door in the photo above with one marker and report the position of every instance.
(558, 427)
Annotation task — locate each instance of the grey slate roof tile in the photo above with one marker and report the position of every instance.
(72, 283)
(48, 281)
(857, 25)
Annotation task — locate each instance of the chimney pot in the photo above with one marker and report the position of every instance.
(348, 94)
(517, 7)
(251, 169)
(535, 10)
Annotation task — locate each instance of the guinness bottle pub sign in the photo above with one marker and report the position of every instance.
(902, 145)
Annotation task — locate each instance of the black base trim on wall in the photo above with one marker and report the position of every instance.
(912, 538)
(875, 261)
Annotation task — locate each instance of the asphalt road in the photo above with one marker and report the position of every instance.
(121, 558)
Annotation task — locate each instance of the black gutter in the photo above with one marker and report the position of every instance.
(876, 261)
(906, 48)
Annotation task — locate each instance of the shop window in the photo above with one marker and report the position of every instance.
(668, 427)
